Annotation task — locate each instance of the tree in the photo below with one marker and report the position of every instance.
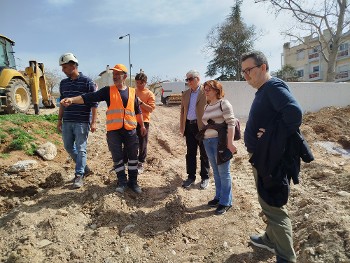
(316, 19)
(288, 73)
(53, 79)
(228, 42)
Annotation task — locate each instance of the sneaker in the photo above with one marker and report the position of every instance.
(213, 203)
(204, 184)
(222, 209)
(120, 188)
(259, 242)
(140, 167)
(78, 181)
(135, 187)
(188, 183)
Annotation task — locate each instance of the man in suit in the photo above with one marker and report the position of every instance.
(192, 109)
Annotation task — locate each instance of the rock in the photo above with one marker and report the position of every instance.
(47, 151)
(44, 243)
(22, 166)
(343, 194)
(127, 228)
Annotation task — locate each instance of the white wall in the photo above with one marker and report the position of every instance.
(312, 96)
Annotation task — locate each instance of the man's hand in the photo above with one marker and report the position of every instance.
(59, 126)
(93, 127)
(260, 132)
(66, 102)
(143, 131)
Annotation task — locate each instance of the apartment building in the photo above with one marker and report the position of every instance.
(309, 63)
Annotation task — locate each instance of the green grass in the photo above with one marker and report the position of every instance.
(20, 138)
(4, 155)
(14, 130)
(20, 118)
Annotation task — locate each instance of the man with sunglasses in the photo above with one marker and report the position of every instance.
(274, 117)
(192, 109)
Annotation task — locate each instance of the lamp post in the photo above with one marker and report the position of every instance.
(121, 37)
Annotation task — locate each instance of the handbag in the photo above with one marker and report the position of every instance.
(237, 130)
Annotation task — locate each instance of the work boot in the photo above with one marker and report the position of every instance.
(135, 187)
(122, 182)
(120, 188)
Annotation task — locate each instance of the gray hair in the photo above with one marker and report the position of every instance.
(194, 73)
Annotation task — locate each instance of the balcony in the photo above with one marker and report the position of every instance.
(343, 54)
(314, 56)
(314, 76)
(342, 76)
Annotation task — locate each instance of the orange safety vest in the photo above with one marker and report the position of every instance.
(118, 116)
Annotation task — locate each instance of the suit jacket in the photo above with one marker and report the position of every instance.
(200, 104)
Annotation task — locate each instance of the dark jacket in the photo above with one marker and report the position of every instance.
(277, 161)
(223, 154)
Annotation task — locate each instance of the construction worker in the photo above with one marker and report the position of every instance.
(76, 121)
(147, 103)
(123, 115)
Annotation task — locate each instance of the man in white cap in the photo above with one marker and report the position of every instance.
(76, 121)
(123, 115)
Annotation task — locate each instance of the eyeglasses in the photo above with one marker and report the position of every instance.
(208, 89)
(190, 79)
(247, 70)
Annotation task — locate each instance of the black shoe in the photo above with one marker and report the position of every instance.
(188, 183)
(259, 242)
(135, 187)
(204, 184)
(222, 209)
(213, 203)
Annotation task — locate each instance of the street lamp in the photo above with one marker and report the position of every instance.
(121, 37)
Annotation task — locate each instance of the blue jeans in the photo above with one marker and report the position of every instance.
(75, 135)
(222, 176)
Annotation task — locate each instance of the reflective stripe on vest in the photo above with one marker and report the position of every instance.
(118, 116)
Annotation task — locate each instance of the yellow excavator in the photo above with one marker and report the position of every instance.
(18, 91)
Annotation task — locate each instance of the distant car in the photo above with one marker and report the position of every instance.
(171, 92)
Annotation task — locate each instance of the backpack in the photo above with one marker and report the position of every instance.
(238, 135)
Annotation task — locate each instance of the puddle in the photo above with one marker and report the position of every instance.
(334, 148)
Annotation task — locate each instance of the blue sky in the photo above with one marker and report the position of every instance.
(167, 37)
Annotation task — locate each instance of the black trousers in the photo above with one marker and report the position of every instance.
(192, 144)
(143, 141)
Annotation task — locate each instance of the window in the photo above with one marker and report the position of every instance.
(300, 54)
(316, 69)
(344, 46)
(300, 73)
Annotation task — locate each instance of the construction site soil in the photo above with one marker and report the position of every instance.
(42, 219)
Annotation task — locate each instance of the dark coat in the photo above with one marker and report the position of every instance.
(223, 154)
(277, 161)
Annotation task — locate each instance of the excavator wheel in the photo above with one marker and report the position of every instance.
(18, 97)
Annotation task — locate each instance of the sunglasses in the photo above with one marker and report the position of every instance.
(190, 79)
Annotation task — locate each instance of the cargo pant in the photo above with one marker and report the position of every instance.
(278, 232)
